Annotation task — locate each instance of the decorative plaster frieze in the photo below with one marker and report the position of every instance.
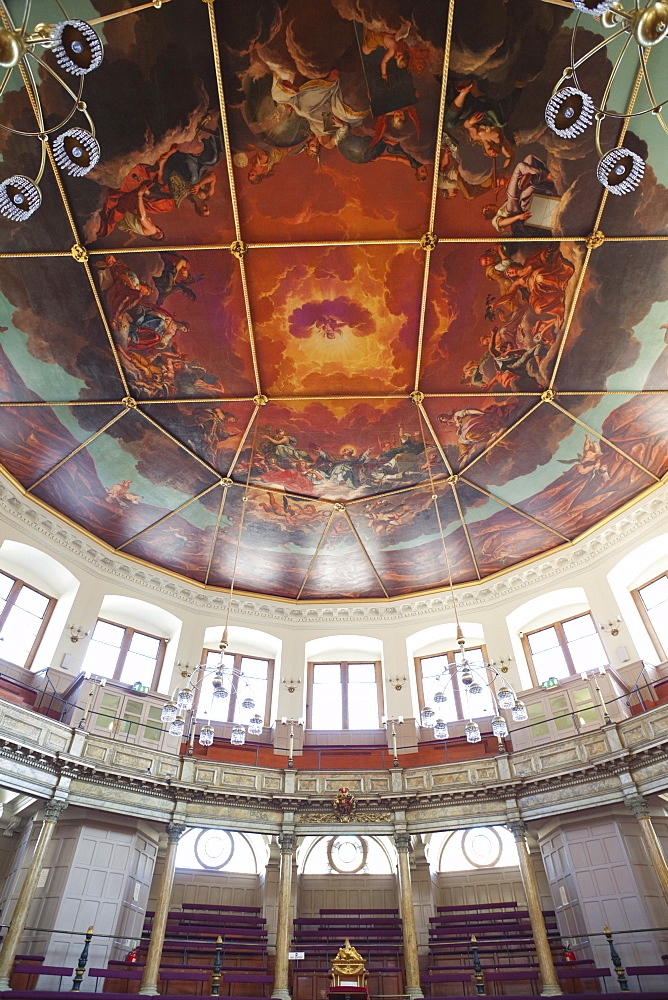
(55, 536)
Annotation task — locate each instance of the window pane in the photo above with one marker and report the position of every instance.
(472, 656)
(545, 639)
(588, 653)
(217, 710)
(655, 599)
(362, 696)
(18, 635)
(103, 649)
(252, 683)
(29, 600)
(551, 663)
(577, 628)
(138, 669)
(479, 705)
(327, 703)
(433, 666)
(6, 584)
(655, 593)
(145, 645)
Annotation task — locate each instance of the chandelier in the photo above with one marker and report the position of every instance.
(77, 51)
(570, 111)
(473, 679)
(224, 681)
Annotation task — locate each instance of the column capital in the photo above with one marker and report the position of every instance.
(53, 809)
(402, 841)
(287, 842)
(175, 831)
(638, 805)
(518, 828)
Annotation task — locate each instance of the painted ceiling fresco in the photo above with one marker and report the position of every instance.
(297, 322)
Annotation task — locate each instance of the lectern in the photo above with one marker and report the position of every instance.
(348, 975)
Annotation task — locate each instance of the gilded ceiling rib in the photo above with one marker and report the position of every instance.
(179, 444)
(422, 416)
(441, 113)
(601, 437)
(500, 438)
(103, 316)
(317, 550)
(364, 550)
(242, 442)
(223, 119)
(165, 517)
(214, 540)
(453, 487)
(40, 253)
(78, 448)
(65, 402)
(521, 513)
(571, 314)
(249, 319)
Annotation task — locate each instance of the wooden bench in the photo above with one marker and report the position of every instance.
(39, 969)
(114, 974)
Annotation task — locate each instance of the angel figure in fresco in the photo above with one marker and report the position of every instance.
(478, 428)
(122, 290)
(543, 279)
(590, 460)
(119, 494)
(176, 276)
(529, 177)
(320, 102)
(345, 468)
(283, 445)
(483, 118)
(389, 41)
(153, 188)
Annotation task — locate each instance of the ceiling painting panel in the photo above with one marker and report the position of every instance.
(179, 322)
(334, 108)
(53, 343)
(402, 534)
(342, 321)
(212, 430)
(342, 561)
(339, 449)
(124, 480)
(617, 339)
(496, 315)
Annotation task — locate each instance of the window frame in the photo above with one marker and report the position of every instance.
(232, 701)
(12, 596)
(644, 614)
(128, 632)
(450, 653)
(343, 664)
(558, 626)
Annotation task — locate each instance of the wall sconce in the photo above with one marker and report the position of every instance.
(611, 627)
(392, 724)
(291, 749)
(292, 684)
(397, 682)
(77, 633)
(503, 663)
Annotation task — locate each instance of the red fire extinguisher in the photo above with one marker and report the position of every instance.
(569, 956)
(131, 957)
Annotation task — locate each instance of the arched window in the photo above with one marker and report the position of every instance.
(344, 683)
(222, 851)
(472, 849)
(245, 679)
(439, 684)
(346, 854)
(125, 654)
(652, 602)
(24, 616)
(564, 648)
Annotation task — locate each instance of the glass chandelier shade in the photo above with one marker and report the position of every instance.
(519, 712)
(475, 688)
(238, 736)
(441, 730)
(255, 726)
(440, 697)
(169, 712)
(499, 726)
(220, 693)
(505, 697)
(76, 47)
(472, 732)
(206, 735)
(427, 717)
(248, 704)
(177, 726)
(184, 698)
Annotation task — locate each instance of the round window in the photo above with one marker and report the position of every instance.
(481, 846)
(214, 848)
(347, 855)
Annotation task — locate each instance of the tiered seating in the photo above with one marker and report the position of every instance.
(504, 942)
(189, 952)
(375, 933)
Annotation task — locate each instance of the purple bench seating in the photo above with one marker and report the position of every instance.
(219, 908)
(39, 969)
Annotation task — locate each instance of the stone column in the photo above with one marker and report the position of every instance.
(10, 945)
(411, 963)
(640, 810)
(548, 973)
(283, 922)
(149, 982)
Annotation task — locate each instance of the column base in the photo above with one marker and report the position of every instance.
(281, 995)
(4, 984)
(551, 991)
(148, 991)
(414, 992)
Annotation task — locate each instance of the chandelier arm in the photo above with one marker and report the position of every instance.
(64, 12)
(76, 98)
(601, 45)
(122, 13)
(5, 80)
(26, 15)
(606, 92)
(37, 107)
(644, 55)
